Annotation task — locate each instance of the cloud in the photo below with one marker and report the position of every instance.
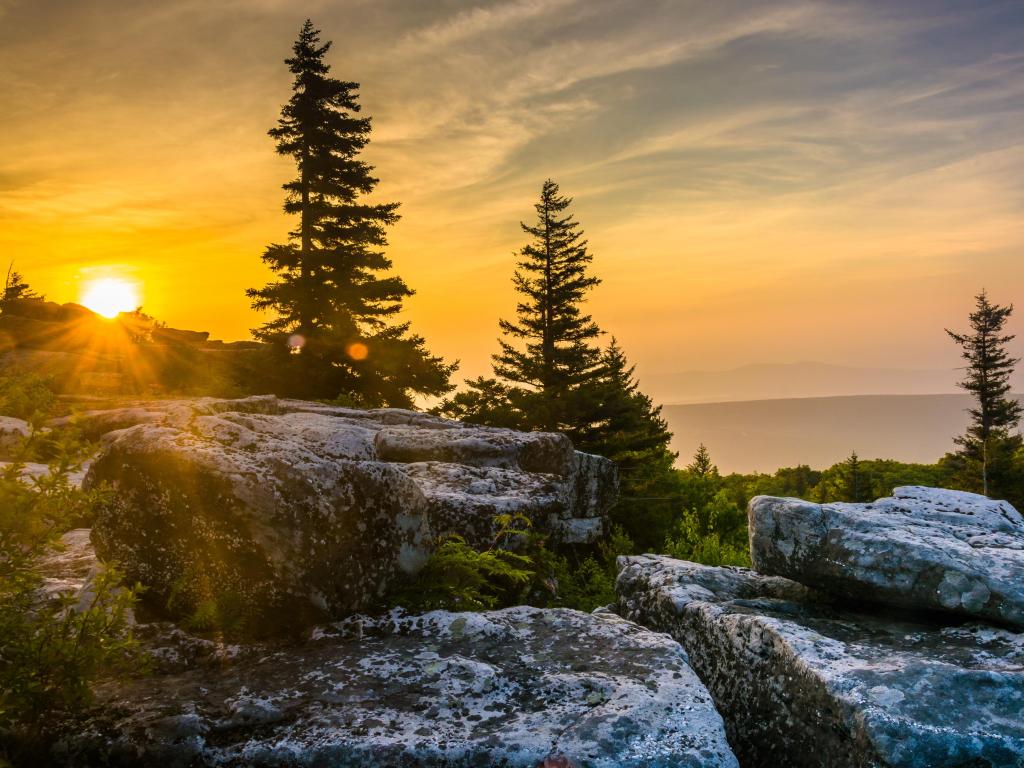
(475, 22)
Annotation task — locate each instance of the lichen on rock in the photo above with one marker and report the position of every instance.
(503, 688)
(923, 548)
(795, 674)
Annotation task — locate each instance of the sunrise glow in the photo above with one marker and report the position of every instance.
(109, 296)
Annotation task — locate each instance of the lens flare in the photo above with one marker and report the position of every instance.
(358, 351)
(109, 296)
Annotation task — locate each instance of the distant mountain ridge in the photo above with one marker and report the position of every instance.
(765, 381)
(763, 435)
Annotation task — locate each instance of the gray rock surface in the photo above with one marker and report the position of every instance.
(12, 434)
(313, 509)
(29, 472)
(69, 568)
(504, 688)
(801, 683)
(923, 548)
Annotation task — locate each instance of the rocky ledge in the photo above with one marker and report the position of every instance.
(796, 676)
(923, 548)
(516, 687)
(292, 507)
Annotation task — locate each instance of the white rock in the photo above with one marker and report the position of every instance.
(924, 548)
(515, 688)
(795, 675)
(12, 435)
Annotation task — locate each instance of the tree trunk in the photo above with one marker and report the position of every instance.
(548, 342)
(984, 466)
(306, 244)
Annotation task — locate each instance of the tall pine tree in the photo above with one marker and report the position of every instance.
(334, 308)
(549, 375)
(547, 358)
(988, 443)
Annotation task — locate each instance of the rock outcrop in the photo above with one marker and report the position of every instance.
(803, 683)
(286, 507)
(924, 548)
(13, 433)
(516, 687)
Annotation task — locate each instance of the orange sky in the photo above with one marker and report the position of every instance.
(770, 181)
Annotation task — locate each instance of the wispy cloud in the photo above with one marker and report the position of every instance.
(477, 21)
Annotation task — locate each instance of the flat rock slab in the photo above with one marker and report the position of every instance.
(797, 678)
(504, 688)
(924, 548)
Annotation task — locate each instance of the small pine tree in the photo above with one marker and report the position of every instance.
(853, 482)
(989, 367)
(15, 288)
(332, 305)
(702, 466)
(547, 374)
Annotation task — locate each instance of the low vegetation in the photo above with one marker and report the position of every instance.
(53, 645)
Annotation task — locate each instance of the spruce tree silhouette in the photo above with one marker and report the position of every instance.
(547, 359)
(989, 366)
(334, 309)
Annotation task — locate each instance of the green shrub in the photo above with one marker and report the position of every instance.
(460, 578)
(26, 395)
(199, 608)
(51, 649)
(715, 534)
(587, 581)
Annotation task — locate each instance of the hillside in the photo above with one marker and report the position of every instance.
(763, 435)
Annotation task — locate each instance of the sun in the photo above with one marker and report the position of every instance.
(109, 296)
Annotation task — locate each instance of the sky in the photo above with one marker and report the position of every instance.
(760, 182)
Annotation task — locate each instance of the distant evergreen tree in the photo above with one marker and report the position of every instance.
(15, 288)
(547, 358)
(988, 442)
(702, 466)
(710, 526)
(486, 401)
(332, 305)
(852, 480)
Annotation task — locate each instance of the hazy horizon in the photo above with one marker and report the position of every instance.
(764, 435)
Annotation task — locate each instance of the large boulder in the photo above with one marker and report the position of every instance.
(794, 676)
(284, 507)
(517, 687)
(924, 548)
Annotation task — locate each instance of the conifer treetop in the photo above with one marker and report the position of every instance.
(552, 277)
